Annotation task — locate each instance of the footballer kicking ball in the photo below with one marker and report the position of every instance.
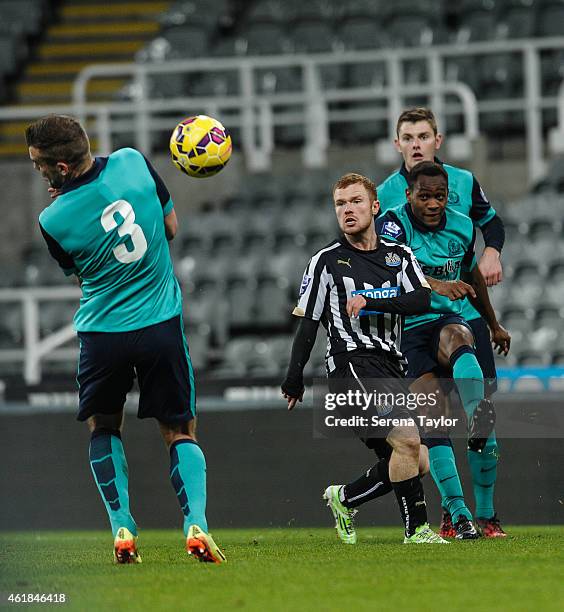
(200, 146)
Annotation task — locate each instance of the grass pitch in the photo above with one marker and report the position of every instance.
(289, 569)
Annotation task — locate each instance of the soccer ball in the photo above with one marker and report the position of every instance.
(200, 146)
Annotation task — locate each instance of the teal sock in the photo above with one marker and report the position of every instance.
(188, 477)
(483, 467)
(109, 467)
(445, 475)
(469, 379)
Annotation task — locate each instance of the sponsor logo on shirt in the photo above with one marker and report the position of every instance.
(345, 262)
(391, 228)
(449, 271)
(393, 259)
(376, 293)
(306, 280)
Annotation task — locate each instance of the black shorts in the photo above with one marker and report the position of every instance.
(157, 355)
(420, 345)
(350, 372)
(484, 353)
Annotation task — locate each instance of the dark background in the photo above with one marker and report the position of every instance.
(264, 469)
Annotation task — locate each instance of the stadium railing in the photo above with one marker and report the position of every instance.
(35, 349)
(254, 112)
(316, 114)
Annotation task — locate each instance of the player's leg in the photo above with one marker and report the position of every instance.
(443, 467)
(456, 350)
(188, 477)
(187, 472)
(105, 376)
(167, 393)
(406, 482)
(109, 468)
(483, 466)
(375, 482)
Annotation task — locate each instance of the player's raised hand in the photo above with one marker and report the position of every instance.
(453, 290)
(490, 266)
(53, 193)
(501, 339)
(355, 305)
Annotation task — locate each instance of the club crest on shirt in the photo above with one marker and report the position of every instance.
(392, 259)
(306, 280)
(453, 198)
(391, 228)
(454, 247)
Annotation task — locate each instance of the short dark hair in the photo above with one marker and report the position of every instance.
(352, 179)
(426, 168)
(59, 138)
(418, 113)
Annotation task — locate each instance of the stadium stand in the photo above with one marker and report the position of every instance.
(241, 268)
(58, 40)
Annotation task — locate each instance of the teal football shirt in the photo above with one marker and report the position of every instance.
(442, 253)
(465, 196)
(107, 227)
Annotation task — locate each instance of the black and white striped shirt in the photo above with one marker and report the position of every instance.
(340, 271)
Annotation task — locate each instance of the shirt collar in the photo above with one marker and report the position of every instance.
(405, 173)
(87, 177)
(348, 245)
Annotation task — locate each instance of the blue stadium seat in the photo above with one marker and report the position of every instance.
(517, 22)
(11, 325)
(187, 42)
(267, 11)
(479, 25)
(198, 12)
(241, 300)
(198, 338)
(363, 33)
(273, 303)
(266, 39)
(316, 10)
(237, 358)
(366, 9)
(550, 20)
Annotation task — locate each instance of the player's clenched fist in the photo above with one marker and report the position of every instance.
(501, 339)
(355, 305)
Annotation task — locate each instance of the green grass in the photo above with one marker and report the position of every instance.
(290, 569)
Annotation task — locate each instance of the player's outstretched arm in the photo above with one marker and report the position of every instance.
(481, 302)
(414, 302)
(293, 385)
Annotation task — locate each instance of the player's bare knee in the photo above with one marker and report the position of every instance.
(112, 422)
(405, 441)
(171, 433)
(453, 337)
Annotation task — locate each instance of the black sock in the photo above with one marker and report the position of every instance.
(372, 484)
(411, 501)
